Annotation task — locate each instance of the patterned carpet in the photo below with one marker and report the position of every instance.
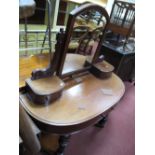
(116, 138)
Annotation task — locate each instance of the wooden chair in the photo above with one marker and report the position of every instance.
(89, 42)
(121, 24)
(79, 33)
(88, 27)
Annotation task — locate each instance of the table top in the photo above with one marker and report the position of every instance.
(28, 63)
(83, 98)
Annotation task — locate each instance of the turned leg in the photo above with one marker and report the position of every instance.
(63, 142)
(102, 122)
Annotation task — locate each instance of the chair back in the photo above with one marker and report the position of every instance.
(122, 18)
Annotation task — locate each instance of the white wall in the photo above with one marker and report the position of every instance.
(109, 6)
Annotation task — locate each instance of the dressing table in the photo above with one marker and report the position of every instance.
(83, 103)
(89, 88)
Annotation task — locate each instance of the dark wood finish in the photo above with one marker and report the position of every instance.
(83, 101)
(37, 90)
(62, 13)
(80, 32)
(123, 61)
(102, 122)
(68, 129)
(54, 60)
(44, 91)
(63, 142)
(67, 115)
(70, 27)
(122, 20)
(101, 70)
(58, 60)
(104, 118)
(49, 142)
(85, 47)
(117, 29)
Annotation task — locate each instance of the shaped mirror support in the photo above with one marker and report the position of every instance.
(76, 51)
(83, 39)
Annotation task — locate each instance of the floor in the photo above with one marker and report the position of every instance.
(116, 138)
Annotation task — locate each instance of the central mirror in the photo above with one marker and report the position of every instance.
(83, 38)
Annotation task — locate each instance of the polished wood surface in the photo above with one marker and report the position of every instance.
(47, 85)
(83, 98)
(80, 101)
(83, 46)
(104, 66)
(73, 62)
(44, 91)
(28, 63)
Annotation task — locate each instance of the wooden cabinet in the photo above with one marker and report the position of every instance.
(123, 61)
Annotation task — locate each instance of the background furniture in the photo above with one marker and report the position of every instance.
(27, 9)
(123, 61)
(121, 25)
(118, 47)
(65, 6)
(35, 33)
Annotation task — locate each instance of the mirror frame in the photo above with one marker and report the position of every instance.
(69, 29)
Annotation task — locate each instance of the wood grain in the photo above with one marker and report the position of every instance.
(83, 100)
(46, 86)
(104, 66)
(80, 101)
(28, 63)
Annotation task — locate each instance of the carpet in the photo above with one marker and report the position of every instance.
(116, 138)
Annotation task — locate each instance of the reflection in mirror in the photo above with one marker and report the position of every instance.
(85, 37)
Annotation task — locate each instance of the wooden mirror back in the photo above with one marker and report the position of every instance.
(83, 38)
(85, 27)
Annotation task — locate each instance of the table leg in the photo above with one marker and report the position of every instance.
(102, 122)
(63, 142)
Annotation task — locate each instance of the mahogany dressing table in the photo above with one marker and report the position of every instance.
(90, 89)
(83, 103)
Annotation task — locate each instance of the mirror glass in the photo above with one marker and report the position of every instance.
(85, 37)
